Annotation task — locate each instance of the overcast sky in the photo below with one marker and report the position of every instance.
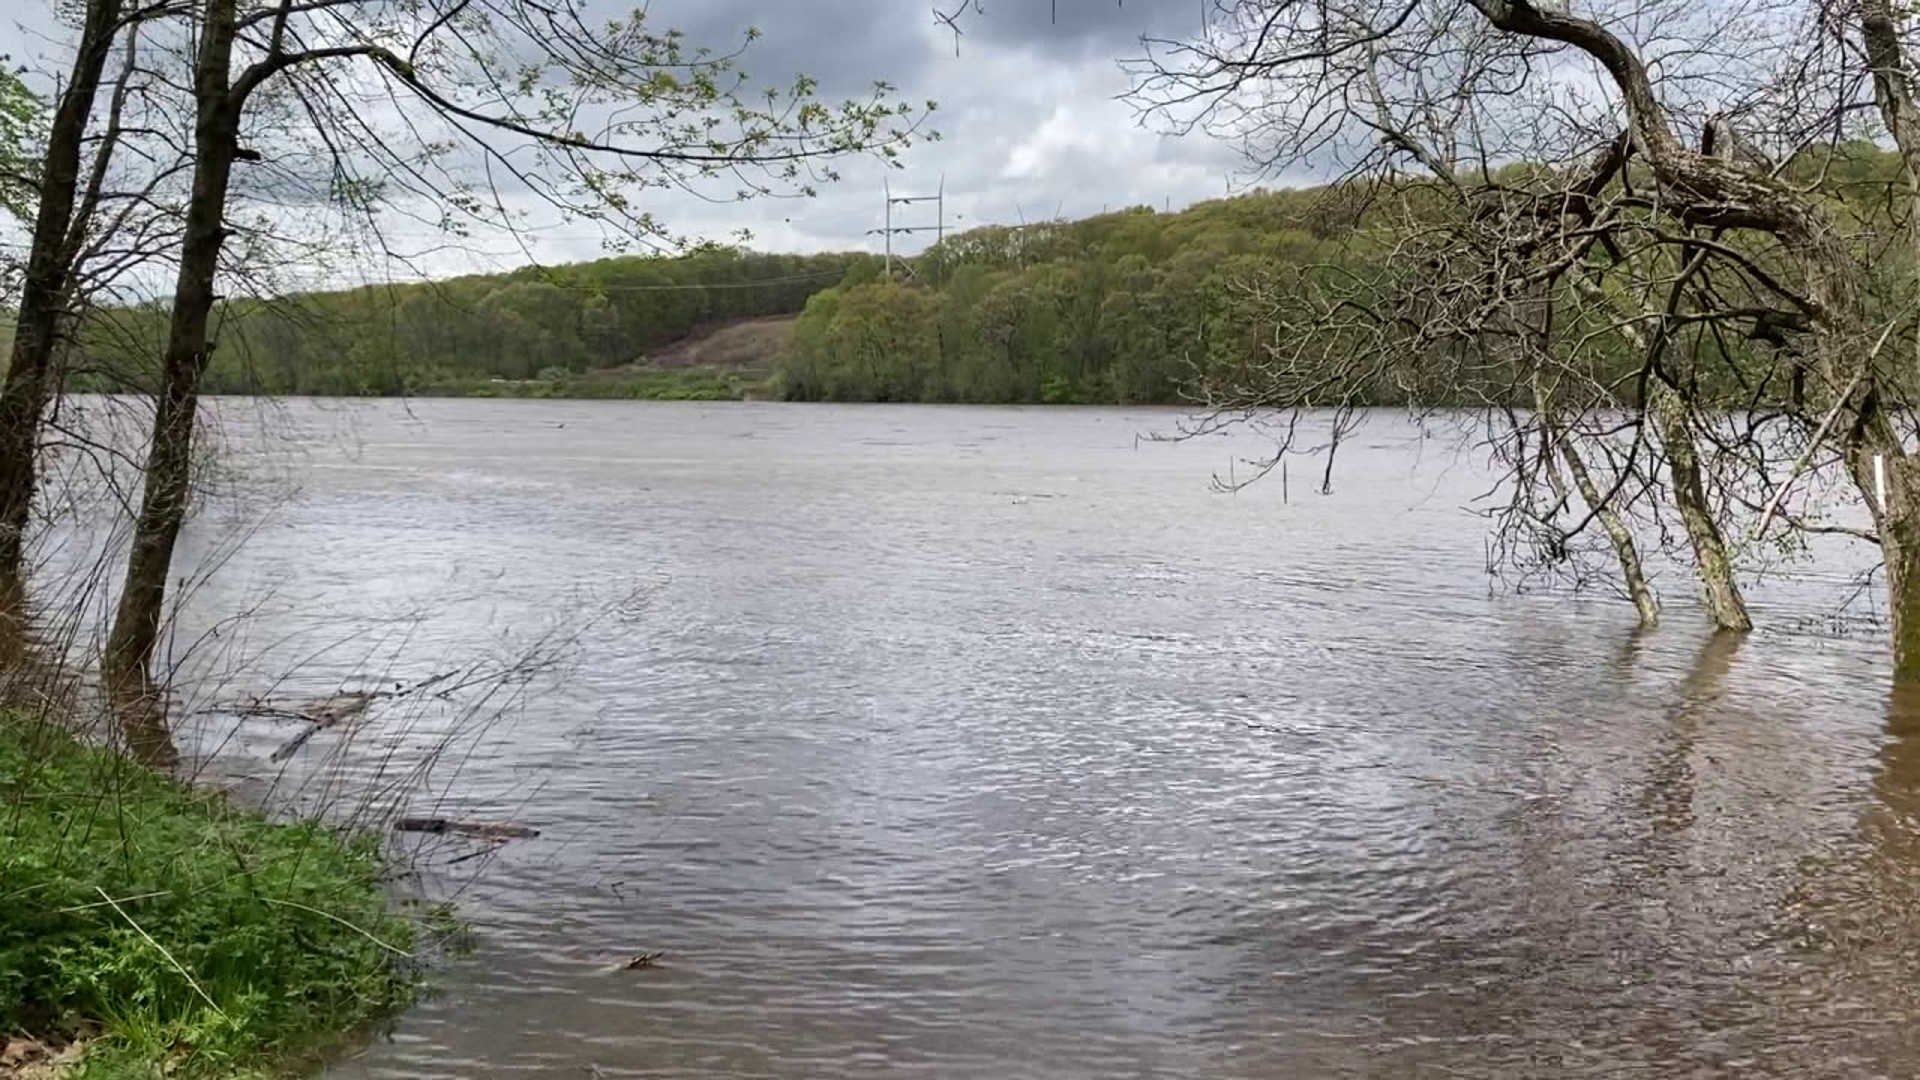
(1029, 115)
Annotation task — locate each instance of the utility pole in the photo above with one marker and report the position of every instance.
(939, 199)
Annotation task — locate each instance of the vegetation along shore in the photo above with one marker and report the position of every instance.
(154, 929)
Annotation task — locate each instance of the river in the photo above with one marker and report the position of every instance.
(968, 742)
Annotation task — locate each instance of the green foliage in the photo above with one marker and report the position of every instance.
(556, 326)
(1126, 307)
(235, 941)
(1260, 299)
(1130, 307)
(21, 118)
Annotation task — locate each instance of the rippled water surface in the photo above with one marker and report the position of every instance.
(991, 743)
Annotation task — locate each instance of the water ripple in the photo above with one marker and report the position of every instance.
(912, 771)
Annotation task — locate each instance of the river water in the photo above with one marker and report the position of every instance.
(930, 742)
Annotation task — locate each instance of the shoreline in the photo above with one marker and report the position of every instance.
(153, 927)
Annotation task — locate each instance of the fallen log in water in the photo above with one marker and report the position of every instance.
(486, 830)
(334, 710)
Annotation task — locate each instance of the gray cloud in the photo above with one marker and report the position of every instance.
(1083, 27)
(1029, 112)
(846, 44)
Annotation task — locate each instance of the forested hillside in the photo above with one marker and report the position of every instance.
(1124, 307)
(1147, 307)
(1138, 306)
(538, 329)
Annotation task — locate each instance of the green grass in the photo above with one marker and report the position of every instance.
(239, 946)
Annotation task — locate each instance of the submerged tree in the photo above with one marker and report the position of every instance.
(1706, 249)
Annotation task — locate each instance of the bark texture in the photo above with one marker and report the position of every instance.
(45, 293)
(164, 502)
(1705, 191)
(1672, 420)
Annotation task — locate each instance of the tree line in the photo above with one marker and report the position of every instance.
(461, 334)
(1146, 307)
(1121, 308)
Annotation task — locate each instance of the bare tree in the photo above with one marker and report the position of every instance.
(44, 296)
(582, 115)
(1722, 271)
(1496, 343)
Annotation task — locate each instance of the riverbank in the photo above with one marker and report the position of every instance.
(150, 929)
(682, 384)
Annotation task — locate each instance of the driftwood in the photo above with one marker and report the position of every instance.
(639, 962)
(320, 715)
(485, 830)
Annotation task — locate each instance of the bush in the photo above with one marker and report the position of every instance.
(192, 934)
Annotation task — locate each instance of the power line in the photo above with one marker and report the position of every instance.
(939, 199)
(791, 279)
(795, 279)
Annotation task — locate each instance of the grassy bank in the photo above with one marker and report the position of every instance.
(175, 932)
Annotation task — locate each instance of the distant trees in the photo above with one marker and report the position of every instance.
(419, 338)
(1120, 308)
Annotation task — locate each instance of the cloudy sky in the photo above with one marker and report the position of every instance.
(1029, 113)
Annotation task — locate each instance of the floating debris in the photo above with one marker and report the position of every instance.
(325, 713)
(485, 830)
(330, 711)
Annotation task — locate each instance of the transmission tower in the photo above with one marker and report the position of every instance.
(939, 228)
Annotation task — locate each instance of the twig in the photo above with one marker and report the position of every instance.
(395, 950)
(1813, 444)
(177, 966)
(481, 854)
(90, 907)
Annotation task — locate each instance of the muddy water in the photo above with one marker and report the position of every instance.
(990, 743)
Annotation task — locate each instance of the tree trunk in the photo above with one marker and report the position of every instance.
(1898, 526)
(163, 507)
(1670, 413)
(43, 302)
(1624, 549)
(1632, 572)
(1707, 192)
(1724, 603)
(1899, 521)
